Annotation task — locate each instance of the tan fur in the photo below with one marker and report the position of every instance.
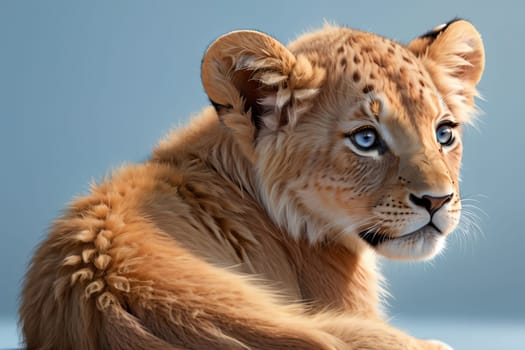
(241, 231)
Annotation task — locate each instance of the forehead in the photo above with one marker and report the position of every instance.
(362, 65)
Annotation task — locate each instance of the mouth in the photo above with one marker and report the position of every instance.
(375, 238)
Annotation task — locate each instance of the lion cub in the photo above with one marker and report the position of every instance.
(257, 225)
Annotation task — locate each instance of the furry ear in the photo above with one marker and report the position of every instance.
(250, 76)
(454, 55)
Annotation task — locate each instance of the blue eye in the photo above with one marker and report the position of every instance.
(445, 134)
(365, 139)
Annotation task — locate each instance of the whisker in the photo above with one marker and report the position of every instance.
(469, 225)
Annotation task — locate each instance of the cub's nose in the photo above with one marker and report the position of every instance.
(430, 203)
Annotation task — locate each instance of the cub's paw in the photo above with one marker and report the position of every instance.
(432, 344)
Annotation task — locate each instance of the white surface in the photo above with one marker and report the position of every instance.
(468, 334)
(8, 334)
(459, 333)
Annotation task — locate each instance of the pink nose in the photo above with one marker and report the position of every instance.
(431, 203)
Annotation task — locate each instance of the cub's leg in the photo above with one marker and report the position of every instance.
(131, 287)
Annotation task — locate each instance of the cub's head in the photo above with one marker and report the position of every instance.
(352, 137)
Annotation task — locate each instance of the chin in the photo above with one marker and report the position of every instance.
(423, 244)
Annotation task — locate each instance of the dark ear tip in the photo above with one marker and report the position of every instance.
(434, 33)
(218, 107)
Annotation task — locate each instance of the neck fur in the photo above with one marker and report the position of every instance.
(328, 273)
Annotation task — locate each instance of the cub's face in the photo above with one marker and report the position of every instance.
(381, 174)
(353, 137)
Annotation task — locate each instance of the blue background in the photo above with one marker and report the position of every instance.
(86, 86)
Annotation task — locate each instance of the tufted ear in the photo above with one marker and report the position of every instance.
(252, 78)
(454, 55)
